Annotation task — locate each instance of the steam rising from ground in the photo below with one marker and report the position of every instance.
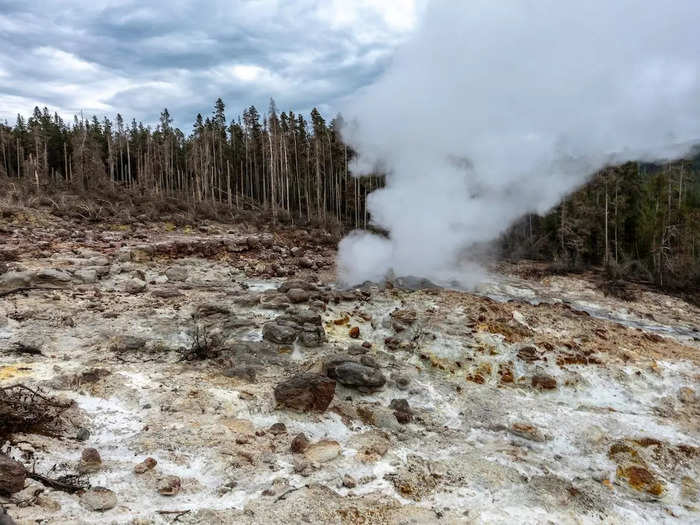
(496, 109)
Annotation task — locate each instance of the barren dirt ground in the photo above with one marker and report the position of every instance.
(211, 349)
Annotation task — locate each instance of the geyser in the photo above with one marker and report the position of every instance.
(496, 109)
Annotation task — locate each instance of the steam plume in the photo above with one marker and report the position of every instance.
(496, 109)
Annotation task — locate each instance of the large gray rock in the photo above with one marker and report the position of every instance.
(12, 475)
(11, 280)
(305, 392)
(51, 277)
(134, 286)
(350, 373)
(279, 333)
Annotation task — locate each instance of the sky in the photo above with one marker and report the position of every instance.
(133, 57)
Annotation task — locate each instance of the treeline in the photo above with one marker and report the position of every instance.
(280, 162)
(637, 220)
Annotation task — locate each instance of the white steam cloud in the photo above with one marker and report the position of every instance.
(498, 108)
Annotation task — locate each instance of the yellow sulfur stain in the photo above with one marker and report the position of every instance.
(12, 371)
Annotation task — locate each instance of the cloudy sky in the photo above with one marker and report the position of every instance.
(136, 57)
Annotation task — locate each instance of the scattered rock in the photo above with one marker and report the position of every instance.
(278, 428)
(248, 373)
(324, 450)
(349, 482)
(544, 382)
(12, 475)
(402, 410)
(306, 392)
(527, 431)
(686, 395)
(300, 443)
(83, 434)
(169, 486)
(176, 273)
(98, 499)
(90, 461)
(352, 374)
(279, 333)
(134, 286)
(146, 465)
(297, 295)
(354, 332)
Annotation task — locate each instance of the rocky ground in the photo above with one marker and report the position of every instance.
(216, 375)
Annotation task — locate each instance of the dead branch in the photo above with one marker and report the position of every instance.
(77, 485)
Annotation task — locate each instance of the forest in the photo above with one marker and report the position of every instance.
(638, 220)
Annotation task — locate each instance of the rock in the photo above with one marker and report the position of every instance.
(297, 295)
(306, 392)
(544, 382)
(354, 332)
(686, 395)
(279, 333)
(402, 411)
(400, 405)
(299, 444)
(349, 482)
(83, 434)
(402, 319)
(6, 519)
(527, 431)
(402, 381)
(146, 465)
(90, 461)
(312, 336)
(248, 373)
(12, 475)
(358, 376)
(371, 445)
(323, 451)
(209, 309)
(176, 273)
(125, 343)
(302, 317)
(134, 286)
(277, 428)
(167, 294)
(50, 276)
(11, 280)
(296, 283)
(169, 485)
(98, 499)
(86, 276)
(305, 262)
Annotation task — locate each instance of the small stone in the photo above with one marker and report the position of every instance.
(146, 465)
(686, 395)
(98, 499)
(90, 461)
(323, 451)
(354, 332)
(297, 295)
(169, 486)
(349, 482)
(134, 286)
(83, 434)
(402, 381)
(278, 428)
(544, 382)
(12, 475)
(527, 431)
(299, 444)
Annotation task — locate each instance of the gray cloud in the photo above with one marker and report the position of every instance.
(132, 57)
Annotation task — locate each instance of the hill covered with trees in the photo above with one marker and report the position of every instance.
(637, 220)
